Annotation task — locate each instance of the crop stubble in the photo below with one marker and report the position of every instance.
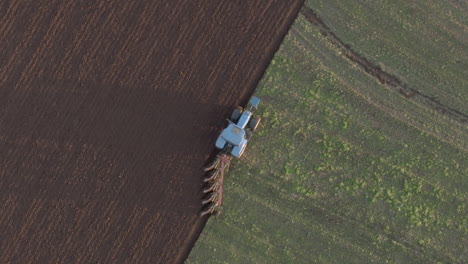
(108, 110)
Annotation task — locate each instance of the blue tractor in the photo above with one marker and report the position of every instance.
(234, 138)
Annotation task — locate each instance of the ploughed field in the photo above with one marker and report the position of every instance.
(109, 110)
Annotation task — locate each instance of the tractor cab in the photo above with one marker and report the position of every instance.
(235, 136)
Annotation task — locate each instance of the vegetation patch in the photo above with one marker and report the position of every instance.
(343, 169)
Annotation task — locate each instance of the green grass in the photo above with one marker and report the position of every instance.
(423, 42)
(344, 169)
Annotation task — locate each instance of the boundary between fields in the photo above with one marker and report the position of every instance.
(378, 73)
(274, 47)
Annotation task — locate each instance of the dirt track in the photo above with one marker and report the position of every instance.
(378, 73)
(108, 111)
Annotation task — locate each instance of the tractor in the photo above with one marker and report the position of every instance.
(232, 142)
(236, 135)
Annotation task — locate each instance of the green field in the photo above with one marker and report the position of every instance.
(345, 168)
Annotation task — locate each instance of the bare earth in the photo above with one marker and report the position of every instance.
(109, 110)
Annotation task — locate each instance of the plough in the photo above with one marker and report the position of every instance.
(215, 184)
(232, 142)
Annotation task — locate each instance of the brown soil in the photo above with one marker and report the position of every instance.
(378, 73)
(109, 110)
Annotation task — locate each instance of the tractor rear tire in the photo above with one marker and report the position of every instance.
(236, 114)
(253, 123)
(248, 134)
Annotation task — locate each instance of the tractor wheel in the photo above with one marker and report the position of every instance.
(253, 123)
(248, 134)
(236, 114)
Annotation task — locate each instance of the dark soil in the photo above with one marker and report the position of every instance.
(108, 112)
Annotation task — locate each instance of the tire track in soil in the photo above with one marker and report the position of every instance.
(378, 73)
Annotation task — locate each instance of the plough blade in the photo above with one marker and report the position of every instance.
(216, 179)
(213, 165)
(209, 210)
(212, 187)
(210, 199)
(213, 176)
